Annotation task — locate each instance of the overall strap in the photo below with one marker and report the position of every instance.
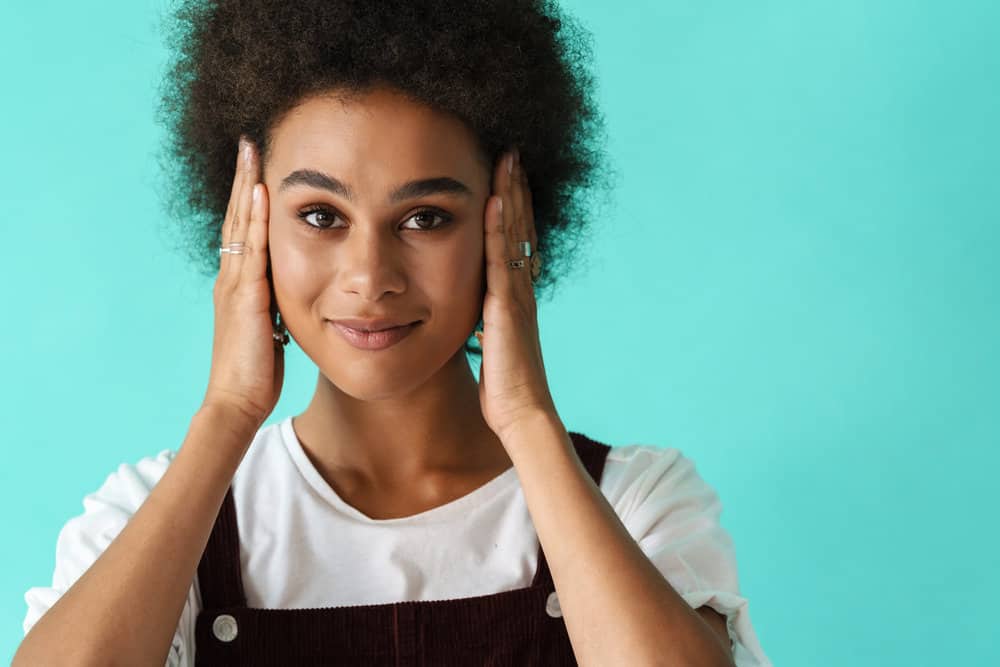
(592, 454)
(220, 578)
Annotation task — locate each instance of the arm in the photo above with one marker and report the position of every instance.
(617, 606)
(125, 608)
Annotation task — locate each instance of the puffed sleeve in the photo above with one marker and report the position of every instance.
(673, 514)
(84, 538)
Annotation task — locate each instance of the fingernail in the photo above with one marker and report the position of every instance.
(246, 152)
(510, 162)
(256, 193)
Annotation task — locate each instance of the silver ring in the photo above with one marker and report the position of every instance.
(525, 247)
(234, 248)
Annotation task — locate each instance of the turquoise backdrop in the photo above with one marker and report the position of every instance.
(796, 285)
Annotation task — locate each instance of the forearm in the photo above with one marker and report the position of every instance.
(125, 608)
(618, 608)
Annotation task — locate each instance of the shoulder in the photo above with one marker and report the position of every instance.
(656, 489)
(674, 515)
(107, 509)
(634, 455)
(641, 469)
(131, 482)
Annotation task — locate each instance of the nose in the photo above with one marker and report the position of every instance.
(369, 262)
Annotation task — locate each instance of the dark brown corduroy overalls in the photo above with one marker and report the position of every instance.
(515, 628)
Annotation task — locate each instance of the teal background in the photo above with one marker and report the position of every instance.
(795, 285)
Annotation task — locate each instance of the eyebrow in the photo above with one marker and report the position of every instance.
(409, 190)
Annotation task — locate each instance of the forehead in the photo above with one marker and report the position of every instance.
(376, 127)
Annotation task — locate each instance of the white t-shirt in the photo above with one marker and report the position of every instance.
(295, 531)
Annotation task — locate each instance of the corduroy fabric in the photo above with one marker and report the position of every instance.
(510, 628)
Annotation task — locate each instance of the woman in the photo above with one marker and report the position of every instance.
(380, 214)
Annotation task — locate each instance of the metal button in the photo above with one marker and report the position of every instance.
(552, 606)
(224, 627)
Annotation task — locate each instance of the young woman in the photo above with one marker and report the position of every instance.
(402, 168)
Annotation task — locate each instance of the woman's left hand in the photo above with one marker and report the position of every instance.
(512, 382)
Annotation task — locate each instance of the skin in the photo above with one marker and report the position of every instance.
(396, 431)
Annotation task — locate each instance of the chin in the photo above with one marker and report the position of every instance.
(398, 370)
(372, 379)
(365, 376)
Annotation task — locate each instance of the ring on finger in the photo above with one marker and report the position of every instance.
(234, 248)
(525, 248)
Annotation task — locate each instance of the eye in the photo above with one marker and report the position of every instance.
(328, 213)
(430, 213)
(314, 210)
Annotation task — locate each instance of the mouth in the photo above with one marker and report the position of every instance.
(375, 340)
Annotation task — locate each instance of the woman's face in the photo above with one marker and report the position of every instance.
(414, 256)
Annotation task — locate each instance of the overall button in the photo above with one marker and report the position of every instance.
(552, 606)
(224, 627)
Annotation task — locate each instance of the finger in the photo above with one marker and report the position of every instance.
(527, 212)
(497, 273)
(529, 233)
(231, 206)
(517, 205)
(521, 230)
(513, 226)
(241, 219)
(255, 259)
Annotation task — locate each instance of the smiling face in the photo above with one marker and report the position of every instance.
(347, 240)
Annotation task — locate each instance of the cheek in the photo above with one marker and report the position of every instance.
(452, 279)
(290, 265)
(469, 265)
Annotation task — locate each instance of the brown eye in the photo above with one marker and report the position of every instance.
(323, 213)
(428, 213)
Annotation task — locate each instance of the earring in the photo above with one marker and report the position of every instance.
(280, 334)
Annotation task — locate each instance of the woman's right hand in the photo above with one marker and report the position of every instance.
(247, 364)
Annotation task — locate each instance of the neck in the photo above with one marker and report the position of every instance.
(436, 430)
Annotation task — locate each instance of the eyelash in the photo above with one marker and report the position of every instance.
(445, 219)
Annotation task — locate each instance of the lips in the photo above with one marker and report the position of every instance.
(372, 325)
(374, 340)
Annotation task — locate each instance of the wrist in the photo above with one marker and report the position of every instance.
(528, 427)
(230, 418)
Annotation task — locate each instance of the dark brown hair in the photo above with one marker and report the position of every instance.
(516, 72)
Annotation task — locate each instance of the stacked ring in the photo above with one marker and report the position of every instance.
(235, 248)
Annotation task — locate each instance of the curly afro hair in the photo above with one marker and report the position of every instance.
(516, 72)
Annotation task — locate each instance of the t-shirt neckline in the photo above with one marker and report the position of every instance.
(458, 508)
